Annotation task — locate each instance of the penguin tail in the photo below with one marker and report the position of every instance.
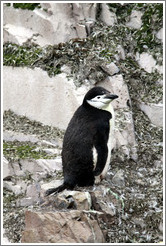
(55, 190)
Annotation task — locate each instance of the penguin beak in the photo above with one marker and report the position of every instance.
(111, 96)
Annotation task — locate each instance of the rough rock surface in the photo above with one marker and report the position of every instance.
(62, 227)
(147, 62)
(154, 112)
(35, 91)
(60, 23)
(135, 20)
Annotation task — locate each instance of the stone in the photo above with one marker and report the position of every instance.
(106, 201)
(52, 151)
(67, 199)
(37, 169)
(66, 69)
(11, 136)
(52, 184)
(154, 112)
(16, 189)
(34, 94)
(82, 200)
(124, 128)
(118, 178)
(120, 53)
(52, 24)
(139, 222)
(25, 202)
(61, 227)
(20, 34)
(84, 12)
(50, 165)
(32, 196)
(108, 17)
(159, 34)
(33, 191)
(21, 25)
(148, 63)
(7, 170)
(45, 142)
(5, 240)
(81, 30)
(135, 19)
(111, 68)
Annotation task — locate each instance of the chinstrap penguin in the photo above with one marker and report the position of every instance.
(86, 149)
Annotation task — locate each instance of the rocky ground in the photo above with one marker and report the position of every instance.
(122, 51)
(131, 195)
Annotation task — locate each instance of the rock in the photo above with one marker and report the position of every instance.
(111, 68)
(7, 170)
(121, 53)
(52, 151)
(53, 144)
(159, 34)
(139, 222)
(108, 17)
(61, 227)
(35, 169)
(49, 165)
(17, 33)
(66, 69)
(5, 240)
(81, 200)
(84, 11)
(38, 96)
(21, 25)
(33, 191)
(59, 24)
(107, 202)
(19, 136)
(154, 112)
(135, 19)
(52, 184)
(124, 129)
(81, 30)
(32, 196)
(16, 189)
(148, 63)
(67, 199)
(118, 178)
(25, 202)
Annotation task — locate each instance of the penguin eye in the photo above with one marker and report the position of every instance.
(98, 97)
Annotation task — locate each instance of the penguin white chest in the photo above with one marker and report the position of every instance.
(110, 140)
(109, 144)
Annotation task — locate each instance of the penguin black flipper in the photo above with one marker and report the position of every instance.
(101, 147)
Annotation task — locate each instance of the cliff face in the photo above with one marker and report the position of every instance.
(52, 55)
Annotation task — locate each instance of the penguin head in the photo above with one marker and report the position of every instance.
(99, 97)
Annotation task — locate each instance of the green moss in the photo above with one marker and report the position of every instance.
(29, 6)
(18, 150)
(29, 55)
(15, 55)
(18, 123)
(152, 21)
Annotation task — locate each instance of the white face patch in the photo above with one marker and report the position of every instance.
(100, 102)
